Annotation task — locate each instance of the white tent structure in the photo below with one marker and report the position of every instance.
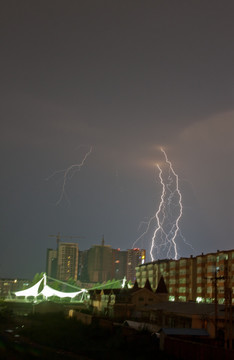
(47, 291)
(32, 291)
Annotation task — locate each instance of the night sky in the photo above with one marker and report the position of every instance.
(124, 77)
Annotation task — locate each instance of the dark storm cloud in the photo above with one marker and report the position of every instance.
(125, 77)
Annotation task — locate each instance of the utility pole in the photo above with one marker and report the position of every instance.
(215, 279)
(216, 303)
(228, 310)
(215, 282)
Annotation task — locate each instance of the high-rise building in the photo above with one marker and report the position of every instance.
(83, 266)
(51, 263)
(135, 257)
(99, 263)
(67, 261)
(119, 264)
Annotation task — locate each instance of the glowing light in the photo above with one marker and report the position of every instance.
(32, 291)
(47, 291)
(68, 174)
(168, 215)
(124, 282)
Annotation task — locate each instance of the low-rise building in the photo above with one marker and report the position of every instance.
(121, 303)
(9, 286)
(203, 278)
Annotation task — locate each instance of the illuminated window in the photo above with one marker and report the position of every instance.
(200, 299)
(223, 257)
(182, 289)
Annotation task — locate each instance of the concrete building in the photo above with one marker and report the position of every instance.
(135, 257)
(83, 266)
(51, 263)
(99, 263)
(67, 261)
(119, 264)
(202, 278)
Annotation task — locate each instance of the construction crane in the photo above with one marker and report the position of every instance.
(59, 237)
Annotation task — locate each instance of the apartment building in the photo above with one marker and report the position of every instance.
(51, 262)
(100, 263)
(67, 263)
(202, 278)
(135, 257)
(119, 264)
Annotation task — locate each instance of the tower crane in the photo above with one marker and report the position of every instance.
(59, 237)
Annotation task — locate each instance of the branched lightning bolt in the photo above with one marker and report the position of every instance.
(168, 215)
(68, 174)
(160, 210)
(177, 190)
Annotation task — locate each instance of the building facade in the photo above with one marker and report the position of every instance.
(67, 265)
(99, 263)
(135, 257)
(119, 264)
(203, 278)
(51, 263)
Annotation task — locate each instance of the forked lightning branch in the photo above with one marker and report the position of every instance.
(166, 221)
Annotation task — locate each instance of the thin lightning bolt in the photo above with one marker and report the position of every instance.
(160, 210)
(69, 173)
(179, 202)
(168, 215)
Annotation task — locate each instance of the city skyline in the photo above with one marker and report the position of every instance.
(90, 93)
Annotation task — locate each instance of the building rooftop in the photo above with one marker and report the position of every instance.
(184, 331)
(187, 308)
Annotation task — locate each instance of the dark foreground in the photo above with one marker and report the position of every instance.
(52, 336)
